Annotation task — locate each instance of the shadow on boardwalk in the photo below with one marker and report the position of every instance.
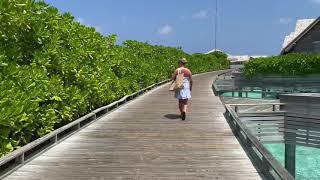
(173, 116)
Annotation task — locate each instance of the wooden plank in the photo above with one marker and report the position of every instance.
(263, 125)
(302, 143)
(302, 127)
(262, 122)
(264, 134)
(266, 130)
(145, 139)
(261, 114)
(271, 139)
(303, 119)
(303, 136)
(255, 104)
(263, 118)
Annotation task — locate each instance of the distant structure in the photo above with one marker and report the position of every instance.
(213, 50)
(238, 59)
(241, 59)
(305, 38)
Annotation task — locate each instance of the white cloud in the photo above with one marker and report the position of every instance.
(315, 1)
(202, 14)
(80, 20)
(83, 22)
(166, 29)
(99, 29)
(285, 20)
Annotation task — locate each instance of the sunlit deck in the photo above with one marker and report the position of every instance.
(145, 139)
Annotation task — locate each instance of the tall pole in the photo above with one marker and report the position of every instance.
(216, 27)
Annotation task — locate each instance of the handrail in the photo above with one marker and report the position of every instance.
(225, 72)
(267, 162)
(255, 104)
(36, 142)
(214, 86)
(17, 158)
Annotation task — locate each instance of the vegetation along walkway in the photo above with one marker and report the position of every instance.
(145, 139)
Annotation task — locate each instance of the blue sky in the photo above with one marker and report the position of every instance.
(254, 27)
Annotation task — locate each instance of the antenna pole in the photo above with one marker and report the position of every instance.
(216, 27)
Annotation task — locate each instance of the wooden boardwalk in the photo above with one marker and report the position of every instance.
(144, 139)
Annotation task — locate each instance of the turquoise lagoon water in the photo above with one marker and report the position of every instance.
(307, 160)
(253, 95)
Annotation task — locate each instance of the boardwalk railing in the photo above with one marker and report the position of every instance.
(269, 85)
(286, 123)
(214, 86)
(17, 158)
(261, 157)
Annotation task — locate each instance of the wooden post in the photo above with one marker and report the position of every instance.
(237, 129)
(248, 143)
(281, 107)
(264, 165)
(229, 116)
(290, 158)
(20, 159)
(263, 93)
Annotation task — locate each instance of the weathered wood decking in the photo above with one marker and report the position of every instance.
(145, 139)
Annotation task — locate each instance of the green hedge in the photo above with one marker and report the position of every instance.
(290, 64)
(54, 70)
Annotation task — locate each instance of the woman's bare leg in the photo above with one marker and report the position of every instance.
(184, 105)
(180, 106)
(183, 108)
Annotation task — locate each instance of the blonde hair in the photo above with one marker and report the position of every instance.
(183, 61)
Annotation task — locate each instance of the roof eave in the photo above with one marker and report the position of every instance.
(294, 41)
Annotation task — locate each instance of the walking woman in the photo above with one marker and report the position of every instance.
(185, 93)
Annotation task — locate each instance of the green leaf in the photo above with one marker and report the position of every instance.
(56, 98)
(3, 64)
(9, 146)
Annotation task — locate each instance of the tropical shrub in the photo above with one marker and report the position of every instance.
(54, 70)
(290, 64)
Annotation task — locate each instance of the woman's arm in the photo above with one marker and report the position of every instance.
(191, 82)
(173, 77)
